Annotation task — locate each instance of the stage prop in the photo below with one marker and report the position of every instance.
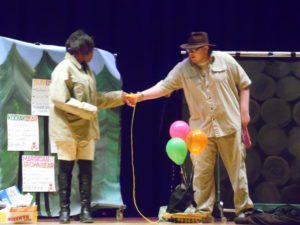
(26, 68)
(273, 160)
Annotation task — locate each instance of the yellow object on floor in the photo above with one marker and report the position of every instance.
(19, 215)
(187, 218)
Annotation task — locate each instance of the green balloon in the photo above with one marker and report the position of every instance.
(176, 150)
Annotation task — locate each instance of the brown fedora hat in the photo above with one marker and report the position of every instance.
(196, 40)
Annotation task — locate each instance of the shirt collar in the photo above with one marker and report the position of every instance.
(73, 60)
(216, 64)
(204, 64)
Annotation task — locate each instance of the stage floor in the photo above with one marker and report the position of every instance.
(125, 221)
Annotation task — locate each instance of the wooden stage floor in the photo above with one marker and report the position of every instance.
(125, 221)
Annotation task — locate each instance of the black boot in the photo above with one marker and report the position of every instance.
(64, 181)
(85, 182)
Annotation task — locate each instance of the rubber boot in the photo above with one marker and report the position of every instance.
(85, 182)
(65, 182)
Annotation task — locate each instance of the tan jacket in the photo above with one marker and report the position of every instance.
(74, 102)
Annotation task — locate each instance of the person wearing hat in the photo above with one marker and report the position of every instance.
(73, 123)
(216, 89)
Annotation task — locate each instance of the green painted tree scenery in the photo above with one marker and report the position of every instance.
(16, 76)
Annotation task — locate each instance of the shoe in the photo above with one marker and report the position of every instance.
(64, 215)
(242, 217)
(190, 209)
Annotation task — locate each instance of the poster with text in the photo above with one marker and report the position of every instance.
(22, 132)
(40, 97)
(38, 173)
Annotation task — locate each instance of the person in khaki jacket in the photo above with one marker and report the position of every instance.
(216, 89)
(73, 123)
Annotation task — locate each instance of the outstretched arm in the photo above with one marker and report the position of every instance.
(151, 93)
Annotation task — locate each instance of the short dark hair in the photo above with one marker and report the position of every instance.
(79, 42)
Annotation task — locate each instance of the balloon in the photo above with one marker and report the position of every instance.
(176, 150)
(179, 129)
(196, 141)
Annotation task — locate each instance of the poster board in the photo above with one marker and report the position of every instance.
(38, 173)
(22, 132)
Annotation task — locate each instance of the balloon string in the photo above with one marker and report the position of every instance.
(133, 173)
(184, 175)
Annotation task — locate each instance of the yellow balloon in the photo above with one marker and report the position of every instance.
(196, 141)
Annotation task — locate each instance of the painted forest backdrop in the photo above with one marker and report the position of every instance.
(21, 62)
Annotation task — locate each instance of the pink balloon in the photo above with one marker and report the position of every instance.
(179, 129)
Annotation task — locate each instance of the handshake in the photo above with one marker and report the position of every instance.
(133, 98)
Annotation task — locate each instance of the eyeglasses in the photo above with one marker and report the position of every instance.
(192, 50)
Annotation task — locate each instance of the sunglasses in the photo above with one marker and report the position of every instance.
(193, 50)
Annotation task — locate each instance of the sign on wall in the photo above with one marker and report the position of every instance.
(40, 97)
(22, 132)
(38, 173)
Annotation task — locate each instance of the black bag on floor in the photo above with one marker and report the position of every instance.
(181, 198)
(183, 195)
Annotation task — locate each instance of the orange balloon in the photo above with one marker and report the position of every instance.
(196, 141)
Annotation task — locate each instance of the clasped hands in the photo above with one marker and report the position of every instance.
(132, 99)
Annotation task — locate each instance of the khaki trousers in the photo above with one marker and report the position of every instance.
(74, 150)
(233, 153)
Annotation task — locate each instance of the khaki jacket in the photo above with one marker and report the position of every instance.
(74, 102)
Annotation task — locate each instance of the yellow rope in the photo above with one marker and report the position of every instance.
(133, 173)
